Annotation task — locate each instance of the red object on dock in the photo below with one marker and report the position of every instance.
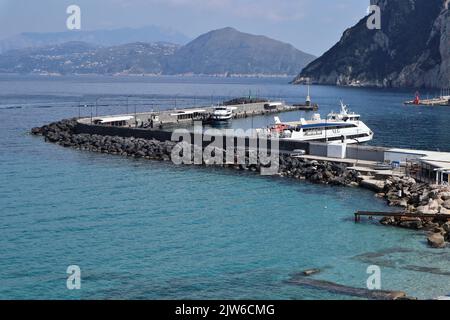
(417, 98)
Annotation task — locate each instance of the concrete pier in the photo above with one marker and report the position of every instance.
(180, 117)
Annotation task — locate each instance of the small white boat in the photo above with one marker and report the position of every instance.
(342, 127)
(222, 114)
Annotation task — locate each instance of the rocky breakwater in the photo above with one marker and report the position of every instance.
(318, 171)
(423, 199)
(63, 133)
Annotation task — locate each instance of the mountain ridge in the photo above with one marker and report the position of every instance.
(263, 54)
(219, 52)
(111, 37)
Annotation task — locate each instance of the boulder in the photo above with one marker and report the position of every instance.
(415, 224)
(388, 221)
(445, 196)
(436, 240)
(430, 225)
(310, 272)
(433, 205)
(446, 226)
(426, 210)
(374, 185)
(424, 197)
(446, 204)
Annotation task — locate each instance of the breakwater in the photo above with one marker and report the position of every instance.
(398, 191)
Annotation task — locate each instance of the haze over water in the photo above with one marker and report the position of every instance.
(144, 229)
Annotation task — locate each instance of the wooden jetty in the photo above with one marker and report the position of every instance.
(372, 214)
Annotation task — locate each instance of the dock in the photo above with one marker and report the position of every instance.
(442, 100)
(370, 214)
(179, 117)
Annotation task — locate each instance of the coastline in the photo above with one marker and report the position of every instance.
(404, 192)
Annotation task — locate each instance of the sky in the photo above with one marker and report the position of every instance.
(310, 25)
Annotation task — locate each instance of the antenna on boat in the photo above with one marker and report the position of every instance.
(277, 120)
(343, 107)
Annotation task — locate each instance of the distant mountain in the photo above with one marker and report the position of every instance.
(98, 37)
(220, 52)
(228, 51)
(83, 58)
(412, 49)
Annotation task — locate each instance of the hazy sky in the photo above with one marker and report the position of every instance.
(310, 25)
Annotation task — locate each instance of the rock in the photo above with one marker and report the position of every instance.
(397, 295)
(446, 227)
(426, 210)
(388, 221)
(36, 131)
(374, 185)
(446, 204)
(439, 230)
(427, 225)
(405, 298)
(399, 203)
(436, 240)
(310, 272)
(445, 196)
(433, 205)
(415, 223)
(424, 197)
(434, 194)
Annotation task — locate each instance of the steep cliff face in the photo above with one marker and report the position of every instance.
(412, 49)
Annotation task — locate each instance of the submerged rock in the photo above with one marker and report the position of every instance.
(311, 272)
(436, 240)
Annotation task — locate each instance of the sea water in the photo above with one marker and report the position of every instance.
(142, 229)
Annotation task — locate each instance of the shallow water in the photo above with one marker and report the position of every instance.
(150, 230)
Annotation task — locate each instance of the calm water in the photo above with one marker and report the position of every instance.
(149, 230)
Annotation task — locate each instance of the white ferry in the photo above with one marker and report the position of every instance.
(342, 127)
(222, 114)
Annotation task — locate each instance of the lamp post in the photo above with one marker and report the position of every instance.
(357, 151)
(135, 115)
(96, 106)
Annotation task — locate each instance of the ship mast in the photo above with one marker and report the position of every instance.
(308, 97)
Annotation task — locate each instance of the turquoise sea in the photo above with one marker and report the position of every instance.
(148, 230)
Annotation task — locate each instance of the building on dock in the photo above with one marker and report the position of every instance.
(115, 121)
(425, 166)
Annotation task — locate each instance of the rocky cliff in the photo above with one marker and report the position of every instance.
(412, 49)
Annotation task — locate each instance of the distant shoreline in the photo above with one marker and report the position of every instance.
(151, 75)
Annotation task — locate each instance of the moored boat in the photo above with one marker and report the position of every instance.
(222, 113)
(342, 127)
